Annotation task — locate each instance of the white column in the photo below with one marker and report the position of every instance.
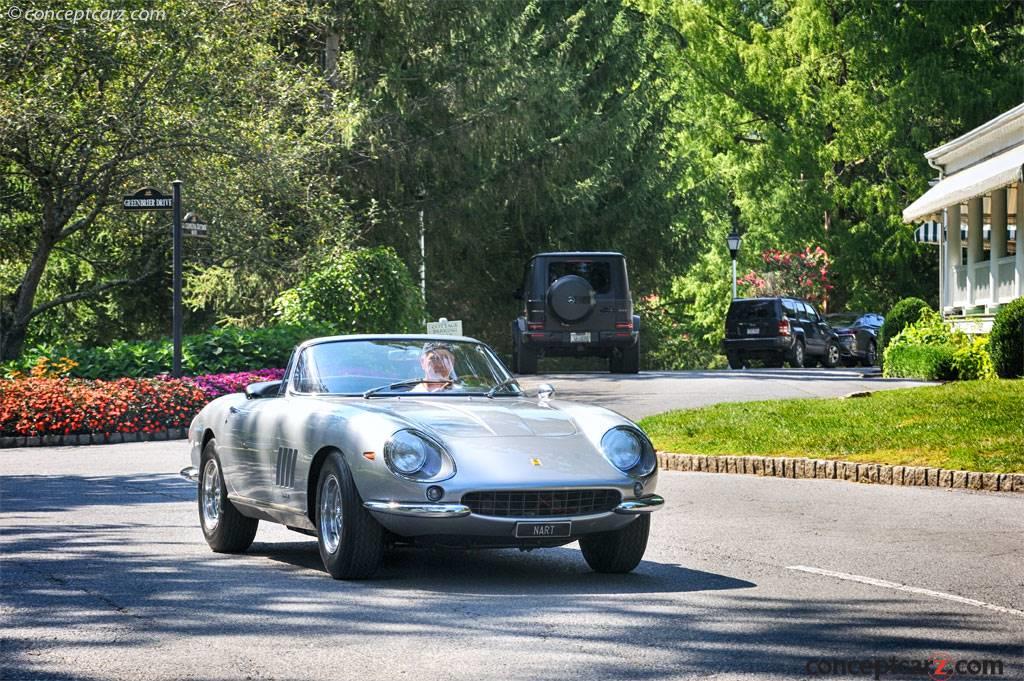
(975, 217)
(998, 245)
(1020, 238)
(953, 253)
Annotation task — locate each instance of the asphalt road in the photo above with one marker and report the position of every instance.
(105, 575)
(653, 392)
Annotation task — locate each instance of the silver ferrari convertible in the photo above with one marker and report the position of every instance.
(371, 441)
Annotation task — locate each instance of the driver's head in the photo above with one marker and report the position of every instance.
(437, 361)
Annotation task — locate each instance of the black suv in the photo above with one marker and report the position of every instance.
(777, 330)
(576, 305)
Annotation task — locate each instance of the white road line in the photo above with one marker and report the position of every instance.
(909, 589)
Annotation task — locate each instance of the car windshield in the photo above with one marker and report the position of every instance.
(843, 319)
(390, 366)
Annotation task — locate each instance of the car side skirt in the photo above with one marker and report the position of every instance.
(272, 512)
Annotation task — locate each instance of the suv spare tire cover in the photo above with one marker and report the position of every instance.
(571, 298)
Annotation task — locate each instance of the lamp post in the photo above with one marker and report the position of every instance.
(733, 241)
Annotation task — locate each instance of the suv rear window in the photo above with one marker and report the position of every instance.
(598, 274)
(752, 310)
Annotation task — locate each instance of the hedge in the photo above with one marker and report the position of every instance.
(928, 362)
(218, 350)
(1007, 340)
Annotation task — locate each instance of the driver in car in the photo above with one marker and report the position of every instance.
(438, 364)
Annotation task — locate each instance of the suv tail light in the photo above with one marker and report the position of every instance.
(535, 327)
(784, 329)
(623, 325)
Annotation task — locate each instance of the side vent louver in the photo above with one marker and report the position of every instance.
(286, 467)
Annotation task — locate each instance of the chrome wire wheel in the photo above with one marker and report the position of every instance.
(211, 495)
(330, 514)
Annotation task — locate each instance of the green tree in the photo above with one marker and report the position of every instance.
(93, 110)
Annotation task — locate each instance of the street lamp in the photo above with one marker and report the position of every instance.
(733, 240)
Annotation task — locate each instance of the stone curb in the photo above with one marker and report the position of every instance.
(868, 473)
(79, 440)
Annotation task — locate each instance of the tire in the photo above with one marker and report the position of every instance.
(626, 362)
(618, 551)
(571, 298)
(831, 357)
(351, 542)
(524, 360)
(225, 528)
(871, 356)
(737, 362)
(798, 356)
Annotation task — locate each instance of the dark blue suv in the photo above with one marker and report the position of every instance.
(778, 330)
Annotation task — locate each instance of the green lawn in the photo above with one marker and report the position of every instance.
(970, 425)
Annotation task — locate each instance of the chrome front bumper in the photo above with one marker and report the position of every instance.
(646, 504)
(190, 473)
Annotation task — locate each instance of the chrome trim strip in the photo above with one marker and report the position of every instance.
(190, 473)
(642, 505)
(418, 510)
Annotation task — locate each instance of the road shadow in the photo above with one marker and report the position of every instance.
(509, 572)
(48, 493)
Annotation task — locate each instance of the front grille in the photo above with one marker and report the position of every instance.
(542, 504)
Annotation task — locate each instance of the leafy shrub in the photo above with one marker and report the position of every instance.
(929, 362)
(218, 350)
(903, 313)
(1007, 345)
(66, 406)
(362, 291)
(931, 349)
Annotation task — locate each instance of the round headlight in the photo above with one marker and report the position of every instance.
(407, 453)
(623, 448)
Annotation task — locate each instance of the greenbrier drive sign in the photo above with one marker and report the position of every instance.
(147, 198)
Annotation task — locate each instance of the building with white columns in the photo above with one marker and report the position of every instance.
(978, 202)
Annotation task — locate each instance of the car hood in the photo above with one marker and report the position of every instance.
(478, 416)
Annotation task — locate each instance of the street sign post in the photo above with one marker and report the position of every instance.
(443, 327)
(149, 198)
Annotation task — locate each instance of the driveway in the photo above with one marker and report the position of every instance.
(105, 575)
(653, 392)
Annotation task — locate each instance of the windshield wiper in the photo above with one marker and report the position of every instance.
(503, 384)
(409, 381)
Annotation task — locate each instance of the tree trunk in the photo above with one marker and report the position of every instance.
(18, 307)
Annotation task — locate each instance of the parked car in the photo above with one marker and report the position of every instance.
(778, 330)
(576, 304)
(374, 440)
(858, 337)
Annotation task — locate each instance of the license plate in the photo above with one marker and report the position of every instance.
(753, 332)
(543, 530)
(579, 337)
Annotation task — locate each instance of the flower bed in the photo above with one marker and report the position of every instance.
(41, 406)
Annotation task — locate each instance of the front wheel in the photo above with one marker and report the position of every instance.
(618, 551)
(351, 542)
(225, 528)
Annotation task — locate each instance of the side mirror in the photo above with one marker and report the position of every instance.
(256, 391)
(545, 391)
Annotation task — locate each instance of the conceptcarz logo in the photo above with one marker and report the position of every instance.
(937, 668)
